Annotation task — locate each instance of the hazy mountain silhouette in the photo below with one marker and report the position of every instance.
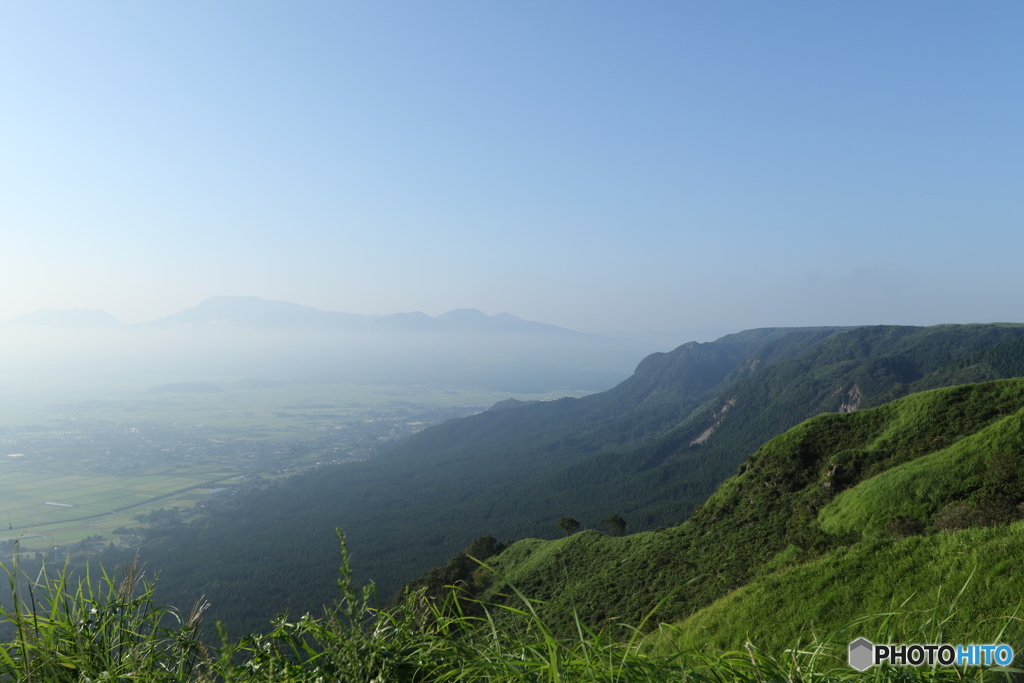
(254, 312)
(230, 337)
(251, 311)
(467, 319)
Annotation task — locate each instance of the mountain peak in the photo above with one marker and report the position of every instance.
(464, 314)
(252, 311)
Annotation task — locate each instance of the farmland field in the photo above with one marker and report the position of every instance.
(81, 464)
(66, 508)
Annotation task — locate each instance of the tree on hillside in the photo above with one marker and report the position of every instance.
(568, 525)
(485, 547)
(615, 525)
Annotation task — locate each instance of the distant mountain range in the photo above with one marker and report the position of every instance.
(256, 313)
(230, 337)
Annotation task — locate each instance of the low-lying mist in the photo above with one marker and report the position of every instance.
(35, 358)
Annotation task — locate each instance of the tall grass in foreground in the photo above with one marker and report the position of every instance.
(97, 628)
(108, 628)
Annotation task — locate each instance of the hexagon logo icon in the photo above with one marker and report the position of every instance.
(862, 654)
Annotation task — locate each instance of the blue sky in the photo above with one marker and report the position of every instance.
(596, 165)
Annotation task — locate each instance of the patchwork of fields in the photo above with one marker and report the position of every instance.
(90, 463)
(63, 508)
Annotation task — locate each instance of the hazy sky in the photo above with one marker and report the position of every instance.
(597, 165)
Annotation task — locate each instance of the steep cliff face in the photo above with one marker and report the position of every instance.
(852, 400)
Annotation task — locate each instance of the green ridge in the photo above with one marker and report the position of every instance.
(857, 472)
(966, 587)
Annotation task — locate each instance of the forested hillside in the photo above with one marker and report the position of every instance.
(650, 450)
(840, 518)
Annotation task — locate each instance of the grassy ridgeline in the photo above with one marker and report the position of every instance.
(821, 505)
(111, 630)
(966, 587)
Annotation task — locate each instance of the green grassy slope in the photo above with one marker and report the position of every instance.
(983, 465)
(965, 587)
(767, 517)
(852, 370)
(116, 631)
